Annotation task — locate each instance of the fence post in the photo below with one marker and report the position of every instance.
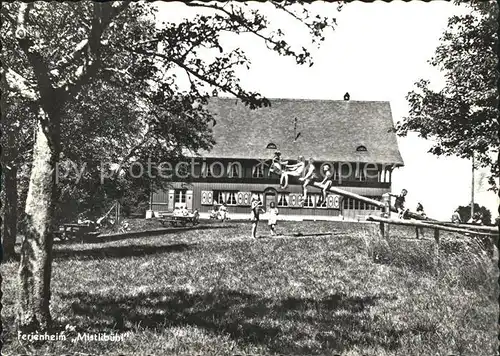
(436, 248)
(117, 220)
(386, 213)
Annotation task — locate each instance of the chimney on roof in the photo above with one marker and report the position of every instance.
(346, 96)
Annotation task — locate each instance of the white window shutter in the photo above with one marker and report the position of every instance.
(206, 197)
(171, 197)
(189, 199)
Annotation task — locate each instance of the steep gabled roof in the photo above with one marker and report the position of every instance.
(330, 130)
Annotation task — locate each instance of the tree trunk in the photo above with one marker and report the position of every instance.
(36, 248)
(9, 231)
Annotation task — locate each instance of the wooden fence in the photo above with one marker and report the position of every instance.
(419, 223)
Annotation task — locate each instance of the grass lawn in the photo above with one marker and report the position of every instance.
(215, 291)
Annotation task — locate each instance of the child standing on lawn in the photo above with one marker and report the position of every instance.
(256, 206)
(273, 218)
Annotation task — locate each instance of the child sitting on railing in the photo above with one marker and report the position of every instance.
(277, 164)
(456, 218)
(399, 204)
(420, 210)
(326, 183)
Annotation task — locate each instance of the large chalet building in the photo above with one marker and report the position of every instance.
(354, 137)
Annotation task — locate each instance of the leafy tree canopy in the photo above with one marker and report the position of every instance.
(64, 58)
(114, 71)
(462, 117)
(482, 211)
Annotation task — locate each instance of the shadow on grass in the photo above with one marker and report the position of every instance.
(135, 234)
(119, 251)
(289, 326)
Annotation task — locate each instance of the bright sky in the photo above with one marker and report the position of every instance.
(378, 51)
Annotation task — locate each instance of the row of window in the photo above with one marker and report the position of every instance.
(227, 197)
(234, 171)
(313, 200)
(354, 204)
(283, 200)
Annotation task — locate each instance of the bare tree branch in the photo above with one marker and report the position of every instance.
(80, 48)
(40, 68)
(133, 149)
(123, 72)
(234, 17)
(104, 13)
(279, 6)
(8, 16)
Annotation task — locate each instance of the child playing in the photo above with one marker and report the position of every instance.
(477, 219)
(214, 213)
(277, 164)
(326, 183)
(309, 175)
(420, 210)
(223, 212)
(455, 218)
(184, 211)
(273, 217)
(256, 206)
(295, 170)
(399, 204)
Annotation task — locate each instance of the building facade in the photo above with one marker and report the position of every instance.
(354, 138)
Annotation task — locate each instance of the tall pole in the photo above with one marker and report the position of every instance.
(150, 195)
(472, 190)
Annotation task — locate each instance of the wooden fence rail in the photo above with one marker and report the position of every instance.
(432, 225)
(385, 223)
(419, 221)
(492, 229)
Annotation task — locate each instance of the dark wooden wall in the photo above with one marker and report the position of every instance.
(348, 209)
